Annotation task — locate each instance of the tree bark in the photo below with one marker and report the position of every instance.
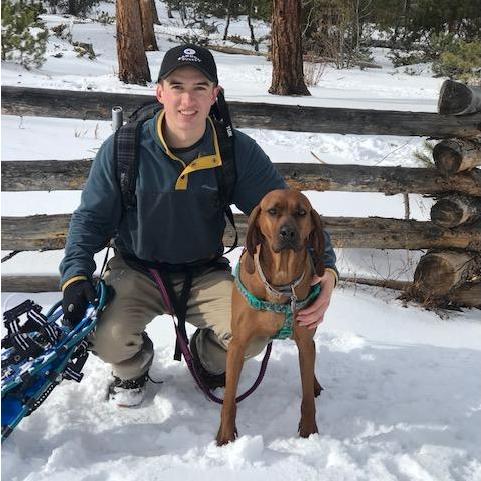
(466, 295)
(455, 155)
(147, 19)
(439, 272)
(287, 67)
(155, 15)
(133, 65)
(455, 210)
(456, 98)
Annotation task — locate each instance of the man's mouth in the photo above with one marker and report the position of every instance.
(187, 113)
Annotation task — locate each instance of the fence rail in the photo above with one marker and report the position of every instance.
(97, 106)
(47, 232)
(72, 174)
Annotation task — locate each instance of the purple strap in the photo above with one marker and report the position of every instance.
(188, 355)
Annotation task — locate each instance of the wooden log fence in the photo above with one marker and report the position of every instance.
(450, 274)
(98, 105)
(451, 268)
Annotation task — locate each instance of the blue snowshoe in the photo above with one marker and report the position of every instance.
(39, 352)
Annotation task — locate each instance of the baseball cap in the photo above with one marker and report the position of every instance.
(189, 55)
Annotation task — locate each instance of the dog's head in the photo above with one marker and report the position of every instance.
(284, 220)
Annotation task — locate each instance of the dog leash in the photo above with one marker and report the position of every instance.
(184, 348)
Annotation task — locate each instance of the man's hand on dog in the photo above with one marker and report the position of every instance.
(313, 315)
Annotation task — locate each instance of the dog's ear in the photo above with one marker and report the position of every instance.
(253, 238)
(316, 243)
(249, 264)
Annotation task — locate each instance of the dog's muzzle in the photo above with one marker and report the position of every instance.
(288, 237)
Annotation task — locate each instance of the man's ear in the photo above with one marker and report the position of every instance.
(215, 93)
(159, 92)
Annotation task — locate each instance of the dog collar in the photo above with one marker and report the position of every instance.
(287, 309)
(286, 290)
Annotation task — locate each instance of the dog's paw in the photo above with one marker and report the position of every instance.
(225, 436)
(307, 428)
(317, 388)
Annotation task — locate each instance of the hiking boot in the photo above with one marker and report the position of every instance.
(128, 393)
(212, 381)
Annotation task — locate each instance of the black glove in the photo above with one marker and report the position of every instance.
(76, 298)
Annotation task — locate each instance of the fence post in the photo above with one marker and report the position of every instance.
(117, 117)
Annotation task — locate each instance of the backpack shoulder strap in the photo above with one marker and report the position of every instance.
(226, 175)
(126, 146)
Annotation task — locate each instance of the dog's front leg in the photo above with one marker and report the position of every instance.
(235, 361)
(307, 356)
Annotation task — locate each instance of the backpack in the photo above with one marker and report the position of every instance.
(126, 145)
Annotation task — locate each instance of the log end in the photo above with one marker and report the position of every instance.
(433, 276)
(447, 213)
(454, 98)
(447, 159)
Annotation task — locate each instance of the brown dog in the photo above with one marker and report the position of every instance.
(280, 229)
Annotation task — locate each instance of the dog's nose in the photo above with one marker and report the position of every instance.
(287, 233)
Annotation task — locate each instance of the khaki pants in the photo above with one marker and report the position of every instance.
(120, 340)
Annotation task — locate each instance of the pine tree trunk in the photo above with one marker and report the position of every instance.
(155, 15)
(150, 43)
(254, 42)
(182, 12)
(287, 68)
(227, 21)
(133, 66)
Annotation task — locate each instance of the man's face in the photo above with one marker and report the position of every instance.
(187, 96)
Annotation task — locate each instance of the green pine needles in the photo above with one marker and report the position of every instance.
(24, 35)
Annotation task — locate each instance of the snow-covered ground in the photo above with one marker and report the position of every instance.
(402, 397)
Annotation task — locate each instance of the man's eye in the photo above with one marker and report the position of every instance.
(272, 211)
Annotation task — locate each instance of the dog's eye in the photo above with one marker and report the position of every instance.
(272, 211)
(301, 212)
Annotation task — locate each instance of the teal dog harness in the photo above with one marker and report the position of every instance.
(287, 309)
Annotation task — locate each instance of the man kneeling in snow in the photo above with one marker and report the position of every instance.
(176, 227)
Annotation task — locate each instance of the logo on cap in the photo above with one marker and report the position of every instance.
(189, 56)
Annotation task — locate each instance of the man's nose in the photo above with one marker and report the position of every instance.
(187, 98)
